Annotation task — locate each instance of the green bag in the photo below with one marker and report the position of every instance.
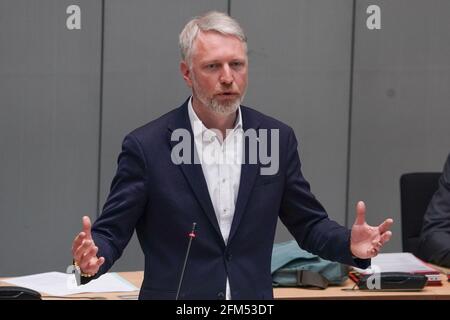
(294, 267)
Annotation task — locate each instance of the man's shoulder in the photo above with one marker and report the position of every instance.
(158, 127)
(447, 164)
(446, 172)
(264, 120)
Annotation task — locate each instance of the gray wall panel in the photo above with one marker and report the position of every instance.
(401, 98)
(300, 51)
(49, 115)
(141, 77)
(299, 55)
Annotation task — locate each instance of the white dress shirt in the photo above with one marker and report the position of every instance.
(221, 165)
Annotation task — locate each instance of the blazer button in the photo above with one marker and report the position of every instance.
(221, 296)
(229, 256)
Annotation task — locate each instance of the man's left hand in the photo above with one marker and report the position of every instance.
(366, 241)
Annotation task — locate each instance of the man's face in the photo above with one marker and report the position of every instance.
(218, 71)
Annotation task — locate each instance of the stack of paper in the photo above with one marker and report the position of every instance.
(402, 262)
(62, 284)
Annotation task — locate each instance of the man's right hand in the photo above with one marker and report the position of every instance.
(84, 251)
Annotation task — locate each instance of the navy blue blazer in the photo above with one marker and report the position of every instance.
(435, 237)
(161, 200)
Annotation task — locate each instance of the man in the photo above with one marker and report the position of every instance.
(234, 204)
(435, 237)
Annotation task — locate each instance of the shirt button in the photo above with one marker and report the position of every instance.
(224, 180)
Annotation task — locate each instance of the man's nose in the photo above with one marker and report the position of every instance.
(226, 77)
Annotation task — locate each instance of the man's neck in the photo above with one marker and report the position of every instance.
(214, 120)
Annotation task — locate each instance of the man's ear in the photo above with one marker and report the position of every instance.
(186, 72)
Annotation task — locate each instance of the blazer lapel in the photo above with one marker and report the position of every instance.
(249, 173)
(193, 171)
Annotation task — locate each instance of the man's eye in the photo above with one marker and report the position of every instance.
(237, 64)
(212, 66)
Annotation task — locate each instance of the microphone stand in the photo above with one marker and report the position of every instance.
(191, 236)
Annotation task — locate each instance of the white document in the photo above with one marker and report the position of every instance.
(398, 262)
(62, 284)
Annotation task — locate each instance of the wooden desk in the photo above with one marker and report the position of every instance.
(335, 293)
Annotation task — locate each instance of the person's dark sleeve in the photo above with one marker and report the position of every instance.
(308, 221)
(435, 237)
(126, 202)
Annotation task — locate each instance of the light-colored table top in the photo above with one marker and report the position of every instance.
(345, 292)
(334, 292)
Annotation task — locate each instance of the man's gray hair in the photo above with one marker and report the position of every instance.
(210, 21)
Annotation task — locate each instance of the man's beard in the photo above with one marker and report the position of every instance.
(225, 108)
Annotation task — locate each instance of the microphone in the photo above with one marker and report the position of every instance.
(191, 236)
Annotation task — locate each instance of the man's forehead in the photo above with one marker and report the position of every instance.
(214, 43)
(212, 34)
(213, 40)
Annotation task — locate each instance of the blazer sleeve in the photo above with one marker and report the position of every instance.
(124, 206)
(435, 236)
(307, 220)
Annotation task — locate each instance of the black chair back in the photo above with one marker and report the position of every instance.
(416, 191)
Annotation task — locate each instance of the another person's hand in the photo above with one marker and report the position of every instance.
(366, 241)
(84, 250)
